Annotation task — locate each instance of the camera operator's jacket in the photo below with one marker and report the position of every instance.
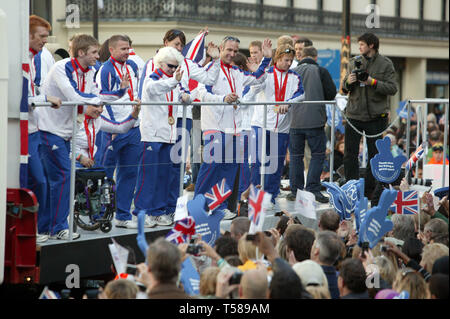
(366, 103)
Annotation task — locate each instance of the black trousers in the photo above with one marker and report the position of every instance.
(351, 151)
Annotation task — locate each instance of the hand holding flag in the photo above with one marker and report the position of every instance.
(406, 203)
(257, 201)
(182, 231)
(416, 156)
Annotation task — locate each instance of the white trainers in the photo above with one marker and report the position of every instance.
(41, 238)
(164, 220)
(150, 221)
(64, 235)
(126, 224)
(228, 214)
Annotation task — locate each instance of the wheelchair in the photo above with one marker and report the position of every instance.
(95, 200)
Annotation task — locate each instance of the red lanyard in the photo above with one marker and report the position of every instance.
(32, 70)
(229, 76)
(167, 97)
(83, 84)
(130, 91)
(279, 95)
(170, 106)
(91, 142)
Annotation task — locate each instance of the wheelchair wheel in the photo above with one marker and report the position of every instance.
(105, 226)
(85, 222)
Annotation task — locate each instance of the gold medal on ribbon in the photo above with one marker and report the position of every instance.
(171, 120)
(275, 108)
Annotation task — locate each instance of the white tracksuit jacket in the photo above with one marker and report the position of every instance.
(225, 118)
(92, 127)
(65, 82)
(154, 119)
(108, 79)
(40, 64)
(278, 123)
(191, 70)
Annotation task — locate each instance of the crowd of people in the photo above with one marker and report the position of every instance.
(292, 261)
(136, 149)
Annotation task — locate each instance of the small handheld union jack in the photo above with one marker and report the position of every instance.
(406, 203)
(183, 231)
(417, 155)
(218, 195)
(255, 204)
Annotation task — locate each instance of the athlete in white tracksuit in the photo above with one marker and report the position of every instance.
(37, 178)
(69, 80)
(85, 146)
(280, 85)
(191, 70)
(121, 152)
(158, 134)
(222, 124)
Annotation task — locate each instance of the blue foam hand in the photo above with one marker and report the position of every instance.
(141, 241)
(336, 194)
(361, 206)
(376, 225)
(350, 198)
(385, 168)
(361, 212)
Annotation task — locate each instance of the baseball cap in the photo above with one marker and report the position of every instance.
(310, 273)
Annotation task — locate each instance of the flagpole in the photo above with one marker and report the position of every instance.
(183, 150)
(408, 128)
(419, 123)
(263, 148)
(333, 128)
(72, 171)
(444, 163)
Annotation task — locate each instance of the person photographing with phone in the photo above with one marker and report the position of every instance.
(369, 83)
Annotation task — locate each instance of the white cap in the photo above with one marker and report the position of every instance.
(310, 273)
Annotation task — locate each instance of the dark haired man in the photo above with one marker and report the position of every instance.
(369, 83)
(299, 44)
(352, 280)
(121, 150)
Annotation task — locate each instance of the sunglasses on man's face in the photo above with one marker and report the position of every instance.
(171, 66)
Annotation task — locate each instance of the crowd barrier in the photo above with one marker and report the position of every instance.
(264, 138)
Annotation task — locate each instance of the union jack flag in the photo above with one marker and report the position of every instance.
(406, 203)
(417, 155)
(195, 51)
(255, 204)
(182, 231)
(218, 195)
(26, 81)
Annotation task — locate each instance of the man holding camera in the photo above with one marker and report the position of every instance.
(369, 83)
